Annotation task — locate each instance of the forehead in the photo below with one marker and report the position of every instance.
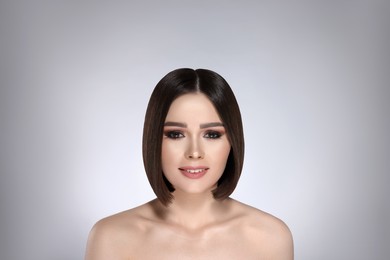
(192, 107)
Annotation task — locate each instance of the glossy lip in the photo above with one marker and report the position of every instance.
(194, 175)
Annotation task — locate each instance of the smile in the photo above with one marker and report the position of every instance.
(193, 172)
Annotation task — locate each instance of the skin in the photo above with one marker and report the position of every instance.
(194, 225)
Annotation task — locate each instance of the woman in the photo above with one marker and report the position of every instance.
(193, 151)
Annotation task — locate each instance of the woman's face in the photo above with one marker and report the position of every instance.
(195, 146)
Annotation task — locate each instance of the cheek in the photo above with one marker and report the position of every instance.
(169, 154)
(225, 154)
(221, 154)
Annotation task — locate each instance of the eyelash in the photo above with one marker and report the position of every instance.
(174, 134)
(213, 135)
(178, 134)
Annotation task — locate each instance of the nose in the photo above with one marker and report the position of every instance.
(194, 151)
(195, 155)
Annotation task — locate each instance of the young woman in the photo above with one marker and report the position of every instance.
(193, 151)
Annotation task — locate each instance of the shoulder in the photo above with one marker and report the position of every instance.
(268, 233)
(114, 237)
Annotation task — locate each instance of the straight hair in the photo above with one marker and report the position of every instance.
(177, 83)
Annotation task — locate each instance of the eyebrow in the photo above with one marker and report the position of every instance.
(178, 124)
(213, 124)
(184, 125)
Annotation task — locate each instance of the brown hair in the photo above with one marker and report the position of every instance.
(171, 86)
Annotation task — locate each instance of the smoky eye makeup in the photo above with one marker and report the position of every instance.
(173, 134)
(177, 130)
(214, 134)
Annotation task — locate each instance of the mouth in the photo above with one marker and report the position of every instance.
(193, 172)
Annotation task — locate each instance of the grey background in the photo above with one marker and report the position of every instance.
(311, 78)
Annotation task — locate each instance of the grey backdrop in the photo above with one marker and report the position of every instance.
(311, 78)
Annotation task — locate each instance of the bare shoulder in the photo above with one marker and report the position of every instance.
(115, 236)
(268, 233)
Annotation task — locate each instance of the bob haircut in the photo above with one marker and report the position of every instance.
(180, 82)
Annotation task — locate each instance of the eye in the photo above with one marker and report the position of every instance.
(213, 135)
(174, 134)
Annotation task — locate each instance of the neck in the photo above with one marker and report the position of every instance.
(194, 211)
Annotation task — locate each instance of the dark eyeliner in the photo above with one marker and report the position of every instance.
(173, 134)
(213, 134)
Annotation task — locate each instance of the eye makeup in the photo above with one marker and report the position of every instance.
(173, 134)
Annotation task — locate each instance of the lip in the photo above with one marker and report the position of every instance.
(194, 172)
